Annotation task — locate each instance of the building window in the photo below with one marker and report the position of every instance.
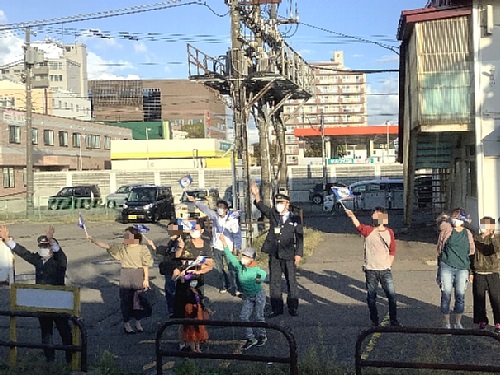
(34, 136)
(8, 177)
(107, 142)
(96, 141)
(14, 134)
(48, 137)
(63, 138)
(76, 139)
(88, 141)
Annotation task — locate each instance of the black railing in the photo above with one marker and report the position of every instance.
(160, 352)
(77, 321)
(360, 363)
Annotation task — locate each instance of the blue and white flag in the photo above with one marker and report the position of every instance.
(185, 181)
(186, 225)
(81, 223)
(234, 214)
(141, 228)
(342, 193)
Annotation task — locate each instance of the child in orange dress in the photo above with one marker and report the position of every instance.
(194, 334)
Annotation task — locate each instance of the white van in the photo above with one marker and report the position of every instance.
(387, 193)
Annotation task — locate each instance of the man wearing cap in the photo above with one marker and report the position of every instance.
(285, 245)
(50, 268)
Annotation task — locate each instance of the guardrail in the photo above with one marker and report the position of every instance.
(77, 321)
(292, 360)
(360, 362)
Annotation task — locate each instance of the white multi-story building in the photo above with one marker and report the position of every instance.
(339, 100)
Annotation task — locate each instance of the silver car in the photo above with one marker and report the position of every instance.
(116, 199)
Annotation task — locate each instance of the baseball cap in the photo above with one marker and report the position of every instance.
(43, 241)
(248, 252)
(282, 198)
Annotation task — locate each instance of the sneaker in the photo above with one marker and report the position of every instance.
(249, 344)
(261, 341)
(447, 326)
(222, 291)
(482, 325)
(458, 326)
(239, 294)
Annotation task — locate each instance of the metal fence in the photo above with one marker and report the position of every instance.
(82, 348)
(360, 362)
(292, 360)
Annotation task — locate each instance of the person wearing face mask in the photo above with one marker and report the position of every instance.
(486, 267)
(222, 223)
(50, 264)
(135, 259)
(251, 277)
(455, 246)
(285, 245)
(193, 335)
(380, 250)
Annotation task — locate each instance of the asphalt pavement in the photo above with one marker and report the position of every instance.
(332, 308)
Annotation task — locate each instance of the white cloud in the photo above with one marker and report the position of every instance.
(99, 68)
(11, 46)
(140, 47)
(382, 108)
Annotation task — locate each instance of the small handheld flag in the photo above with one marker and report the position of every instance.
(185, 181)
(81, 223)
(141, 228)
(194, 263)
(234, 214)
(341, 194)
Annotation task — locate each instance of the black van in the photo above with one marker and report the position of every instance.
(84, 196)
(149, 203)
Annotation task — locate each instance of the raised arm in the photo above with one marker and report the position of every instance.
(101, 244)
(353, 218)
(266, 210)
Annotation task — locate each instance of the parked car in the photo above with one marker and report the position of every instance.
(316, 193)
(367, 195)
(148, 203)
(187, 209)
(84, 196)
(117, 198)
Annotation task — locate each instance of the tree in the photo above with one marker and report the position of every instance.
(313, 148)
(194, 130)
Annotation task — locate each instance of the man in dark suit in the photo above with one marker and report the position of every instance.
(285, 245)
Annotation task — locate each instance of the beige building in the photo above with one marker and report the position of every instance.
(59, 144)
(180, 102)
(54, 102)
(339, 100)
(64, 68)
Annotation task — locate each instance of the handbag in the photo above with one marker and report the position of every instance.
(142, 302)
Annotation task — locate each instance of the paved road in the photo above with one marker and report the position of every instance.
(332, 309)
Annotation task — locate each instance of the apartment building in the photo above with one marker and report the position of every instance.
(339, 100)
(64, 68)
(180, 102)
(47, 101)
(59, 144)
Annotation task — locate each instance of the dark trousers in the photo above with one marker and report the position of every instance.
(481, 284)
(227, 280)
(170, 293)
(64, 329)
(384, 277)
(276, 268)
(127, 305)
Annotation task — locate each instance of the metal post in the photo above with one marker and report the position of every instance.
(30, 186)
(387, 123)
(147, 147)
(323, 151)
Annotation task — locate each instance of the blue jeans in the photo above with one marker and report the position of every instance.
(384, 277)
(226, 281)
(257, 303)
(452, 277)
(169, 293)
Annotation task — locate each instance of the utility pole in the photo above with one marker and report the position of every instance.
(323, 150)
(29, 61)
(238, 94)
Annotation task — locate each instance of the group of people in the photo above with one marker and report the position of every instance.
(463, 256)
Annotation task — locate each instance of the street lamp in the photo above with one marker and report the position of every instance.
(147, 146)
(323, 151)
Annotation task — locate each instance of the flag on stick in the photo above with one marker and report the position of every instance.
(185, 181)
(342, 194)
(81, 224)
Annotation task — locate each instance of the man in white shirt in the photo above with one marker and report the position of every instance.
(223, 223)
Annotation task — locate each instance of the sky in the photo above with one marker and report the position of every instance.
(152, 45)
